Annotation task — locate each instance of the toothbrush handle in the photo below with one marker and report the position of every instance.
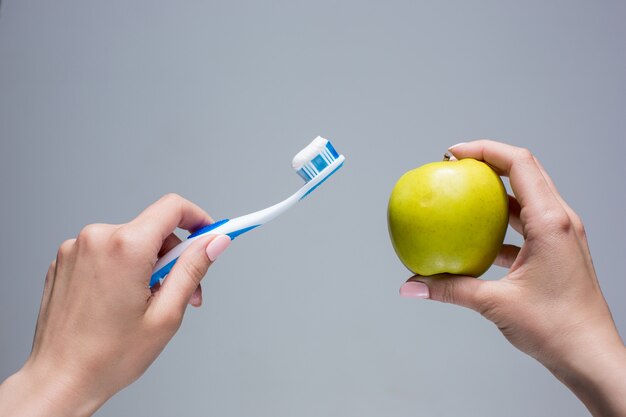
(239, 225)
(231, 227)
(167, 261)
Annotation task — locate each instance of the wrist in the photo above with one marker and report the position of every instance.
(34, 392)
(594, 369)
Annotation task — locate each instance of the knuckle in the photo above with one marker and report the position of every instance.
(557, 221)
(92, 235)
(172, 197)
(173, 201)
(485, 143)
(193, 271)
(524, 155)
(124, 241)
(65, 249)
(448, 288)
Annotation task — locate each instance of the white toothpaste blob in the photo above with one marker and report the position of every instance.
(307, 154)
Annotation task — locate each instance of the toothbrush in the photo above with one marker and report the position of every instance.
(315, 163)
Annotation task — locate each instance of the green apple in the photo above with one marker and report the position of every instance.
(448, 217)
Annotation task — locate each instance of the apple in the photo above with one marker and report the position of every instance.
(448, 217)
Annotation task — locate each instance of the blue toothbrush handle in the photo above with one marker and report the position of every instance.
(164, 270)
(207, 228)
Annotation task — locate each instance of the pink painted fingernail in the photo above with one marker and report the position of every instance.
(458, 144)
(414, 289)
(217, 246)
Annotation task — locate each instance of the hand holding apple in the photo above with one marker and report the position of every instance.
(549, 304)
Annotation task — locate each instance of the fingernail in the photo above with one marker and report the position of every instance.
(458, 144)
(414, 289)
(217, 246)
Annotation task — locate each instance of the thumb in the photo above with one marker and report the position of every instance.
(453, 289)
(188, 271)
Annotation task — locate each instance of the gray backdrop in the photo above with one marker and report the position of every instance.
(105, 106)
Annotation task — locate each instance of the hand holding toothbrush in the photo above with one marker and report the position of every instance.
(107, 312)
(100, 326)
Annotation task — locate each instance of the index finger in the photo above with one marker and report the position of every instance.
(161, 218)
(528, 183)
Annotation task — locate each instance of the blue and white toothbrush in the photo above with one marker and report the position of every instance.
(315, 163)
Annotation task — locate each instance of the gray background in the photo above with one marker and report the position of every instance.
(105, 106)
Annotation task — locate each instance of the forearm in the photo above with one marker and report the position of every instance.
(598, 378)
(31, 394)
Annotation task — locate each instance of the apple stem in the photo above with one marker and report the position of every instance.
(447, 156)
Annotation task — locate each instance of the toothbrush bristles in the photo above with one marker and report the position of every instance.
(314, 158)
